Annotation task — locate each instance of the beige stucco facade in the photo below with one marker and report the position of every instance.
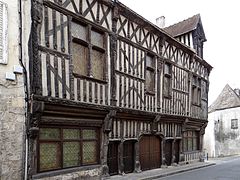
(12, 97)
(220, 138)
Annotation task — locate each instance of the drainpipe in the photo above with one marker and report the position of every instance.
(25, 146)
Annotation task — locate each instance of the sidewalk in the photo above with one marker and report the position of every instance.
(162, 172)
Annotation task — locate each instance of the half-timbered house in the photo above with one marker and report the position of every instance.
(111, 93)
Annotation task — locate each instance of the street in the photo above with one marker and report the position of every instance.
(225, 169)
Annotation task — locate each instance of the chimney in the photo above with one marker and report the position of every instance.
(160, 21)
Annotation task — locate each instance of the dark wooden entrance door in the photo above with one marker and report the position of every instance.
(150, 152)
(128, 156)
(176, 151)
(168, 152)
(112, 160)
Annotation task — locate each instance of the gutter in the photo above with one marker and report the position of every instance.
(27, 105)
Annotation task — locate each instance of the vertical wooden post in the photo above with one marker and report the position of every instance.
(35, 58)
(137, 160)
(113, 55)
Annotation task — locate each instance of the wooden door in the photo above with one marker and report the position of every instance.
(128, 156)
(150, 152)
(176, 151)
(112, 160)
(168, 152)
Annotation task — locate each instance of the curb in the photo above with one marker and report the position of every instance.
(177, 171)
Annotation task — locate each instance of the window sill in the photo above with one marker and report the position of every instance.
(90, 78)
(64, 171)
(151, 93)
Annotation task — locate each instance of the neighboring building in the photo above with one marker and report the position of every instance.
(12, 94)
(106, 92)
(222, 133)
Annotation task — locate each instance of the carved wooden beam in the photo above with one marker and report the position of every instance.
(155, 123)
(108, 121)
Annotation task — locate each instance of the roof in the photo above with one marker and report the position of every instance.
(226, 99)
(184, 26)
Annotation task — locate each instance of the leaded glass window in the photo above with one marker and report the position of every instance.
(191, 140)
(167, 86)
(67, 147)
(150, 74)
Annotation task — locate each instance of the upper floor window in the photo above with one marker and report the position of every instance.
(67, 147)
(167, 86)
(88, 51)
(196, 91)
(234, 123)
(150, 74)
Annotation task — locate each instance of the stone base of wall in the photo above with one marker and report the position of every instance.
(12, 128)
(88, 173)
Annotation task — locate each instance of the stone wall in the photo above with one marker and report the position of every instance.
(93, 174)
(11, 130)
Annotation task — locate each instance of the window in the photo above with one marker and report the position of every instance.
(191, 141)
(234, 123)
(3, 34)
(167, 80)
(67, 147)
(196, 91)
(88, 50)
(150, 74)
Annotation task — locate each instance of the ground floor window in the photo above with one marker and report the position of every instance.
(191, 140)
(60, 147)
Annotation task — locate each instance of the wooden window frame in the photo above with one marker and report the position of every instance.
(169, 77)
(91, 46)
(151, 69)
(61, 142)
(195, 136)
(196, 91)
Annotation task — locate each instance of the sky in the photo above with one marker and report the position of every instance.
(220, 19)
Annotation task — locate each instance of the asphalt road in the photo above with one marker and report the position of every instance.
(225, 169)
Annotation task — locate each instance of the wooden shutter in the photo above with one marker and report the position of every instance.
(3, 33)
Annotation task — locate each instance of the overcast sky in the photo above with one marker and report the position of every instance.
(221, 23)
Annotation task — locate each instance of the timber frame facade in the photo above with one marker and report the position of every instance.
(98, 67)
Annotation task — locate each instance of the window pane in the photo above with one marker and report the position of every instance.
(89, 152)
(80, 60)
(150, 62)
(97, 64)
(185, 145)
(167, 85)
(49, 156)
(167, 69)
(89, 134)
(194, 143)
(97, 39)
(49, 133)
(79, 31)
(71, 154)
(71, 134)
(150, 80)
(190, 144)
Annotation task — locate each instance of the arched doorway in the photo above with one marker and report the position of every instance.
(176, 151)
(128, 156)
(150, 152)
(112, 159)
(168, 152)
